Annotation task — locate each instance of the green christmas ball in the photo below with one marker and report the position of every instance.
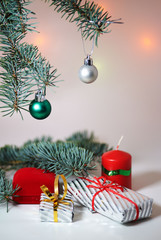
(40, 110)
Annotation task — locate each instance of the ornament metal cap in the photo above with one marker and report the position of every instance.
(39, 96)
(88, 61)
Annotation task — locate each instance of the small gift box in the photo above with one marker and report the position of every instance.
(55, 207)
(110, 199)
(29, 181)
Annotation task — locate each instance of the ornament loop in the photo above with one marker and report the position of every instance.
(39, 96)
(88, 61)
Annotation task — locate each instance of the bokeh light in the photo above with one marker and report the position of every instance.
(40, 40)
(147, 42)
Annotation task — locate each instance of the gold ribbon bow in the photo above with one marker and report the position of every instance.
(55, 198)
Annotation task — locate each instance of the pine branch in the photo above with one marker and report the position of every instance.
(23, 66)
(8, 155)
(88, 16)
(6, 189)
(15, 88)
(38, 140)
(89, 142)
(75, 156)
(60, 158)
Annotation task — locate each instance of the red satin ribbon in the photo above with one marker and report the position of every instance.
(109, 187)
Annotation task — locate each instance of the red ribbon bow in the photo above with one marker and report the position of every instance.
(108, 187)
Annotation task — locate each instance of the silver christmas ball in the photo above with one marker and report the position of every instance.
(88, 72)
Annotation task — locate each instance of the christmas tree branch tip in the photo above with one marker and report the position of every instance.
(77, 154)
(6, 189)
(90, 18)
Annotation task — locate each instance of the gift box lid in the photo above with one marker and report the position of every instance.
(29, 180)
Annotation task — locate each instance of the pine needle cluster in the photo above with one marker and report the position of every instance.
(24, 70)
(6, 189)
(88, 16)
(60, 158)
(88, 141)
(76, 156)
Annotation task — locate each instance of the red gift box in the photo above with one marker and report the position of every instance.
(29, 180)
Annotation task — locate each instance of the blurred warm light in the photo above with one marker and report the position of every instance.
(39, 40)
(147, 42)
(103, 4)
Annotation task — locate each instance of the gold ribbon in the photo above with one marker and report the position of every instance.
(55, 198)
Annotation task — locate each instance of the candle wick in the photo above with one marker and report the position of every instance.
(119, 142)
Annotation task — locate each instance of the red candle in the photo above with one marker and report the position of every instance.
(116, 166)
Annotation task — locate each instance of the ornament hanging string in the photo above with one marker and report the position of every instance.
(92, 48)
(84, 48)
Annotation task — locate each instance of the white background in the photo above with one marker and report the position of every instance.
(124, 100)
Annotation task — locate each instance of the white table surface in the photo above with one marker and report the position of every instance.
(22, 221)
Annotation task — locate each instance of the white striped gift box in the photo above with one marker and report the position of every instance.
(111, 204)
(65, 212)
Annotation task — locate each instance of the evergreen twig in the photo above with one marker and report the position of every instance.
(87, 15)
(9, 156)
(24, 69)
(6, 189)
(74, 156)
(89, 142)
